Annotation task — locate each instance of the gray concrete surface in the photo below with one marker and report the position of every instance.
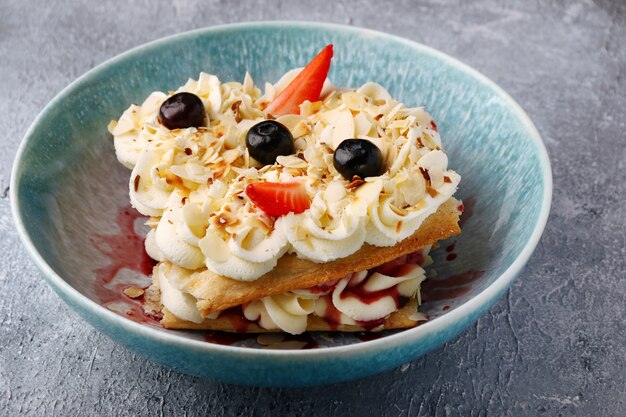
(555, 345)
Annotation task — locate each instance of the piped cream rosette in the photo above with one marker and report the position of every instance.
(192, 181)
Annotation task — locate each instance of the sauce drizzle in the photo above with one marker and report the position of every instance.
(448, 288)
(124, 250)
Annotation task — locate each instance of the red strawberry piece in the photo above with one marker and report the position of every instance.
(279, 198)
(306, 86)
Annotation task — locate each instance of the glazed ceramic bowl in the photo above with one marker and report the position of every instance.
(70, 196)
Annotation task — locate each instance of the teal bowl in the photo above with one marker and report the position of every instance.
(70, 199)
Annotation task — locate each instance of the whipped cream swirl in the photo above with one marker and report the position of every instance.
(363, 298)
(192, 181)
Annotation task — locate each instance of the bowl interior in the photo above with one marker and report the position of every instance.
(73, 195)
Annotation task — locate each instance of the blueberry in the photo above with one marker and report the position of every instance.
(358, 157)
(182, 110)
(267, 140)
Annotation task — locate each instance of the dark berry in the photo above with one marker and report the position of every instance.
(267, 140)
(182, 110)
(358, 157)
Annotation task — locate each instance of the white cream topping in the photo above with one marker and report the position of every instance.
(173, 237)
(180, 304)
(152, 249)
(219, 227)
(289, 311)
(149, 192)
(129, 132)
(358, 310)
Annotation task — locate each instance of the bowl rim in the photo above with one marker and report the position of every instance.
(388, 342)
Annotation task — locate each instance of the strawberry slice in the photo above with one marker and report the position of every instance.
(279, 198)
(306, 86)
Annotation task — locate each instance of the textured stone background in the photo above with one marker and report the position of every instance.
(554, 345)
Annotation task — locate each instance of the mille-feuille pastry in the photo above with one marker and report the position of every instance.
(305, 207)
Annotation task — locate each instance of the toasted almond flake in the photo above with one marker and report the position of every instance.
(118, 307)
(224, 218)
(219, 131)
(401, 177)
(133, 292)
(399, 124)
(230, 155)
(291, 161)
(220, 169)
(370, 191)
(342, 122)
(417, 316)
(356, 182)
(376, 92)
(307, 108)
(393, 112)
(295, 172)
(362, 125)
(353, 100)
(111, 126)
(246, 159)
(296, 124)
(214, 247)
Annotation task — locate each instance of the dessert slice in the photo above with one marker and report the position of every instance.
(306, 207)
(382, 298)
(204, 300)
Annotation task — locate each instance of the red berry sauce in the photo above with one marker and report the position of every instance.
(123, 250)
(449, 288)
(467, 210)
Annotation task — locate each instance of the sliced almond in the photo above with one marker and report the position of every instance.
(133, 292)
